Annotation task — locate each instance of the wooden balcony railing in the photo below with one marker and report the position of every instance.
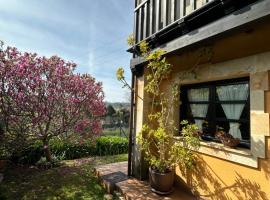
(153, 16)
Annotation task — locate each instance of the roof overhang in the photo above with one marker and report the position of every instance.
(239, 20)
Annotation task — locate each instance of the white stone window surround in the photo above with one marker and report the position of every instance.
(257, 68)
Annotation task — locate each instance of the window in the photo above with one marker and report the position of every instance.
(218, 105)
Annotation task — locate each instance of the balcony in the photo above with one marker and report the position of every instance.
(160, 21)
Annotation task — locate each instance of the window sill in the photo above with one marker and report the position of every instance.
(239, 155)
(219, 146)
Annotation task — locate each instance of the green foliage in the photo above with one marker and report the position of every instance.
(44, 164)
(120, 73)
(110, 110)
(131, 40)
(144, 48)
(156, 138)
(110, 145)
(66, 150)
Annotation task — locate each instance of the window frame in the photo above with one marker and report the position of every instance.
(213, 102)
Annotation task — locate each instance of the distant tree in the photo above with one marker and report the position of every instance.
(41, 98)
(110, 110)
(123, 115)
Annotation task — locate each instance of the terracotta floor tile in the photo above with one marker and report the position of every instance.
(133, 189)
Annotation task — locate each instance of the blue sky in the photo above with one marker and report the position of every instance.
(92, 33)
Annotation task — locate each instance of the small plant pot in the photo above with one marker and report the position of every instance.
(230, 142)
(161, 183)
(227, 139)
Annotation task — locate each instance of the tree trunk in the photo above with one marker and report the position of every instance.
(47, 151)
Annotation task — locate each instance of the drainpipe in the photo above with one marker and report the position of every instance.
(130, 141)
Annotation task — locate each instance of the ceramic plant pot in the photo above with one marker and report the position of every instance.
(161, 183)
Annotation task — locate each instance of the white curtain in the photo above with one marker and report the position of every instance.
(198, 110)
(233, 111)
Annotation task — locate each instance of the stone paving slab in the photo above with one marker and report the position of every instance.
(114, 177)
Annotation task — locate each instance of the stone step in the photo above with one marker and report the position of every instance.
(113, 177)
(111, 174)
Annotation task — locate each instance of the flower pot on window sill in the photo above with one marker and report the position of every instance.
(227, 139)
(230, 142)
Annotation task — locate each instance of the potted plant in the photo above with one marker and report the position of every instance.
(157, 137)
(164, 152)
(227, 139)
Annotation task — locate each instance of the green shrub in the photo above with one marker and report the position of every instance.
(66, 150)
(111, 145)
(44, 164)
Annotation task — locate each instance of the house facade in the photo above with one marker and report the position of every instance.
(220, 53)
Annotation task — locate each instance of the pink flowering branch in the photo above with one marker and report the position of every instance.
(42, 97)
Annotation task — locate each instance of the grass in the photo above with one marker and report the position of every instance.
(72, 180)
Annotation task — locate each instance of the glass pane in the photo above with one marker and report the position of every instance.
(199, 110)
(223, 126)
(233, 111)
(220, 112)
(233, 92)
(245, 113)
(245, 130)
(201, 94)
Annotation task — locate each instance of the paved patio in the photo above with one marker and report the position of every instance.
(114, 178)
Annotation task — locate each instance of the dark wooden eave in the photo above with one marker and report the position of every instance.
(236, 21)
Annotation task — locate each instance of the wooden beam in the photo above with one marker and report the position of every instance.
(135, 30)
(145, 21)
(157, 14)
(151, 17)
(173, 5)
(139, 28)
(193, 4)
(164, 7)
(182, 8)
(236, 21)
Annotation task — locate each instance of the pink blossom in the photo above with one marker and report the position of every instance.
(47, 93)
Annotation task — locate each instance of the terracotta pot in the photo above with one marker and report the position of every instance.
(161, 183)
(230, 142)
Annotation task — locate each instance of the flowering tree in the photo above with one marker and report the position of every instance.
(41, 98)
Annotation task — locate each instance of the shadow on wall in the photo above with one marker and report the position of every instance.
(203, 178)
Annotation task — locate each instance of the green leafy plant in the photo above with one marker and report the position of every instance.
(157, 137)
(131, 40)
(67, 150)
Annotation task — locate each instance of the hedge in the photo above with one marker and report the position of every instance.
(110, 145)
(64, 150)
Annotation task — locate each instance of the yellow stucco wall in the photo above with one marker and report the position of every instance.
(237, 55)
(215, 178)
